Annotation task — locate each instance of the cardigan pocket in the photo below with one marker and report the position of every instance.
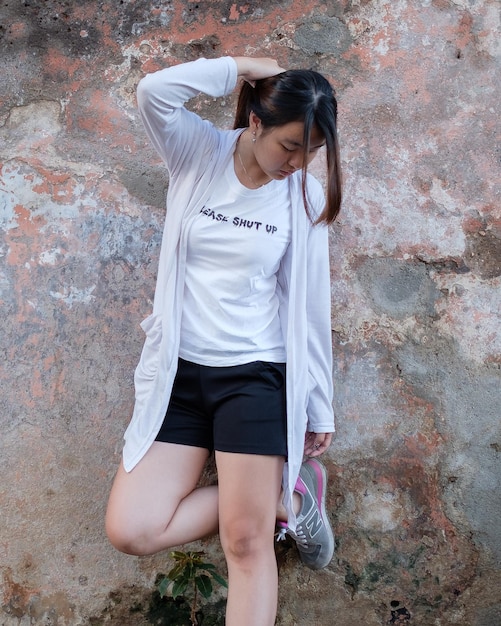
(147, 367)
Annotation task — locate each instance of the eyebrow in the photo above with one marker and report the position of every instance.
(300, 145)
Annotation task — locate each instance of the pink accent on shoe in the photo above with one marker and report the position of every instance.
(300, 488)
(320, 478)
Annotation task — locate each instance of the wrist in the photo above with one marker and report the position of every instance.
(243, 65)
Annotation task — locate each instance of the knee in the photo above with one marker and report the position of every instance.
(121, 539)
(125, 538)
(244, 541)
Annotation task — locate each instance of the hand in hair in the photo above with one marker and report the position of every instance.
(251, 69)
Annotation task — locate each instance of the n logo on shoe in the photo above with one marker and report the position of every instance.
(314, 524)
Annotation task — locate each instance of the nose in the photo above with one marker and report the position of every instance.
(296, 160)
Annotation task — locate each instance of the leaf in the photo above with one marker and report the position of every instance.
(219, 579)
(178, 556)
(179, 587)
(204, 585)
(210, 567)
(176, 571)
(162, 586)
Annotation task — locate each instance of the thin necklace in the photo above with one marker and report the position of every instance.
(245, 169)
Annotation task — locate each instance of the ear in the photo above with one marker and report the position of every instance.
(254, 121)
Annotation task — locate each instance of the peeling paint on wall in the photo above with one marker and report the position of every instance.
(416, 270)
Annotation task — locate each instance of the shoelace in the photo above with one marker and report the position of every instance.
(282, 533)
(299, 536)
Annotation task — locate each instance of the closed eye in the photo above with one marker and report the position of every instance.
(312, 150)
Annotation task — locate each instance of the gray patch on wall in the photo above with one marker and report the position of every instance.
(466, 398)
(322, 34)
(398, 288)
(148, 184)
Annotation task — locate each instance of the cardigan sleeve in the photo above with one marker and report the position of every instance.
(180, 136)
(318, 310)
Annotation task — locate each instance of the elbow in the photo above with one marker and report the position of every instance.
(144, 90)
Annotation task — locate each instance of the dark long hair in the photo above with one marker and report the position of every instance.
(299, 96)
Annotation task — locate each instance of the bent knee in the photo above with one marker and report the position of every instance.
(129, 539)
(123, 540)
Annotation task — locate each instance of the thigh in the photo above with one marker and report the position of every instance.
(249, 489)
(144, 500)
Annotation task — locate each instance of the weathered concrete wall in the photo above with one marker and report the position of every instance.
(414, 496)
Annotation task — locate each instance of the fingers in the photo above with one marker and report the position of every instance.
(316, 444)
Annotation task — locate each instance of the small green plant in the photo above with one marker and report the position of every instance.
(190, 573)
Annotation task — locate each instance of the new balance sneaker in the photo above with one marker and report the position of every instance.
(313, 536)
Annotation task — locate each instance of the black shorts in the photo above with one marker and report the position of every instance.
(240, 408)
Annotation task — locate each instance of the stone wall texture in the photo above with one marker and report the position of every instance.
(415, 469)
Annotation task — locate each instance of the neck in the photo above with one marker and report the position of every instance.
(247, 168)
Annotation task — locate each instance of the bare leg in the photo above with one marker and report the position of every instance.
(281, 511)
(157, 505)
(249, 486)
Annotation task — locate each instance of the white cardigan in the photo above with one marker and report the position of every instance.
(196, 153)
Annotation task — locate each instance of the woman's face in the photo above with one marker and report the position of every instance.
(279, 150)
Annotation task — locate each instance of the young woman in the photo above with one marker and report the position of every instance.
(237, 356)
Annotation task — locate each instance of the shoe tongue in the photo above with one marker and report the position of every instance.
(300, 488)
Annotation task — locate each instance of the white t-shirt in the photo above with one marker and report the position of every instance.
(235, 245)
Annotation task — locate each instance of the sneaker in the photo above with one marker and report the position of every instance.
(313, 536)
